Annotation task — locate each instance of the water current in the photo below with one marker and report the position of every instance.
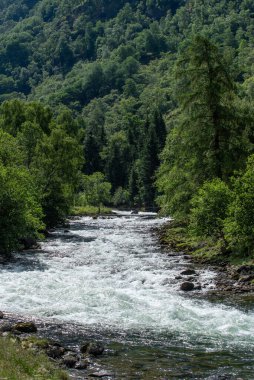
(110, 277)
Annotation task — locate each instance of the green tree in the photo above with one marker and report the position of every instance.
(207, 135)
(116, 156)
(209, 208)
(27, 138)
(20, 210)
(56, 169)
(96, 191)
(149, 162)
(239, 225)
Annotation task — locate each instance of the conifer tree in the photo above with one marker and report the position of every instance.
(206, 139)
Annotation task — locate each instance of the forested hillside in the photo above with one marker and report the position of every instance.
(114, 78)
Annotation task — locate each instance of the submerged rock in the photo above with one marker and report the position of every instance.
(25, 327)
(187, 286)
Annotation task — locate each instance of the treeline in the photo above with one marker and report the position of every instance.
(117, 77)
(50, 163)
(207, 173)
(40, 162)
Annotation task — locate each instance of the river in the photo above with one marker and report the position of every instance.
(109, 278)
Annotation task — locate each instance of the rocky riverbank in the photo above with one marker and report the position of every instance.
(234, 275)
(79, 361)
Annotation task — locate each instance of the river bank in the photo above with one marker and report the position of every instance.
(235, 274)
(42, 352)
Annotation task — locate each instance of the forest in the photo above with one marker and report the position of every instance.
(150, 102)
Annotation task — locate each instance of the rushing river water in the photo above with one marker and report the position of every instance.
(110, 278)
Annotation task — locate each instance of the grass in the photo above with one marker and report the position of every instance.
(16, 363)
(89, 210)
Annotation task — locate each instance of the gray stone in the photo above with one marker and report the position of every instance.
(92, 348)
(82, 364)
(70, 360)
(5, 327)
(55, 352)
(187, 286)
(25, 327)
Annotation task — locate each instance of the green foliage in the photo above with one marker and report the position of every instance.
(56, 165)
(121, 197)
(95, 190)
(209, 209)
(89, 210)
(20, 209)
(207, 138)
(117, 76)
(40, 165)
(239, 225)
(17, 363)
(117, 157)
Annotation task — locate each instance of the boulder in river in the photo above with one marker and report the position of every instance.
(25, 327)
(188, 272)
(92, 348)
(187, 286)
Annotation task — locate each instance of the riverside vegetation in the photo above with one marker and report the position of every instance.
(139, 103)
(18, 364)
(90, 91)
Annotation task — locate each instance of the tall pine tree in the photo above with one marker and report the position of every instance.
(206, 139)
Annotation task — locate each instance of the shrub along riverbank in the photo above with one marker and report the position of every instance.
(16, 363)
(90, 211)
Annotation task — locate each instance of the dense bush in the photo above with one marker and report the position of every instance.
(95, 191)
(239, 225)
(209, 209)
(20, 209)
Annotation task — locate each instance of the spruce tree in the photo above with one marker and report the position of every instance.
(206, 139)
(149, 164)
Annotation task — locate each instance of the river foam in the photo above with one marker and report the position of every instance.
(111, 273)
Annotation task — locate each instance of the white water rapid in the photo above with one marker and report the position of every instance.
(111, 273)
